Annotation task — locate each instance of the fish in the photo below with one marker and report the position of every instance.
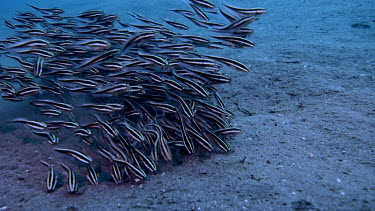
(72, 180)
(104, 152)
(9, 24)
(47, 11)
(163, 106)
(204, 3)
(136, 39)
(29, 43)
(177, 25)
(113, 89)
(199, 12)
(25, 65)
(38, 67)
(230, 62)
(195, 39)
(133, 132)
(52, 138)
(58, 124)
(227, 131)
(107, 128)
(193, 85)
(51, 112)
(148, 162)
(138, 172)
(92, 175)
(56, 105)
(237, 24)
(155, 59)
(51, 177)
(28, 91)
(236, 41)
(82, 132)
(116, 173)
(36, 125)
(247, 11)
(183, 12)
(197, 61)
(98, 58)
(189, 145)
(185, 107)
(82, 82)
(201, 140)
(220, 142)
(75, 154)
(228, 16)
(16, 71)
(161, 143)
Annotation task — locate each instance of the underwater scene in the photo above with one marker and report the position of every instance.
(187, 105)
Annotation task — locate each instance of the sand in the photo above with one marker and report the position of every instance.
(306, 110)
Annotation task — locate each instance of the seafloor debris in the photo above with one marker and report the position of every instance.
(135, 93)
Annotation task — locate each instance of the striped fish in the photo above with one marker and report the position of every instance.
(199, 12)
(227, 131)
(136, 39)
(28, 91)
(220, 142)
(113, 89)
(26, 65)
(92, 175)
(47, 11)
(189, 145)
(36, 52)
(38, 67)
(228, 16)
(133, 132)
(138, 172)
(231, 63)
(51, 177)
(33, 43)
(107, 128)
(147, 162)
(236, 40)
(58, 124)
(9, 24)
(32, 124)
(116, 173)
(52, 139)
(104, 152)
(77, 155)
(239, 23)
(201, 140)
(72, 181)
(98, 58)
(51, 112)
(193, 85)
(177, 25)
(82, 132)
(185, 107)
(247, 11)
(82, 82)
(203, 3)
(57, 105)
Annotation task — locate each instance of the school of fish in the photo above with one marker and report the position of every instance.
(133, 92)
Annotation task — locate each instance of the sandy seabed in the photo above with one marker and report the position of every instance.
(307, 111)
